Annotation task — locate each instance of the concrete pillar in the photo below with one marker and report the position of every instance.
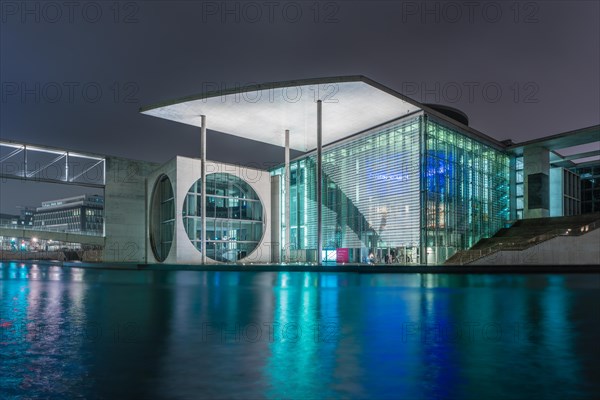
(319, 181)
(536, 170)
(276, 218)
(125, 209)
(203, 180)
(288, 241)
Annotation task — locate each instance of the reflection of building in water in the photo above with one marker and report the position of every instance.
(306, 335)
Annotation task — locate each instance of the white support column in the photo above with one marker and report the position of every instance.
(319, 183)
(67, 166)
(288, 242)
(24, 161)
(203, 182)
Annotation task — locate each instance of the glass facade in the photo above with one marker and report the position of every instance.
(467, 190)
(370, 196)
(234, 217)
(414, 191)
(162, 220)
(590, 188)
(519, 203)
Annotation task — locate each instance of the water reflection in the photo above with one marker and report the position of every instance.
(70, 332)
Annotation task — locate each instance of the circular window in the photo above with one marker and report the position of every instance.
(162, 218)
(234, 217)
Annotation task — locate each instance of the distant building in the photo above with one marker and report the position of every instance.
(84, 213)
(9, 219)
(26, 216)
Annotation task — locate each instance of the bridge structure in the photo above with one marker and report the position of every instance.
(47, 234)
(29, 162)
(50, 164)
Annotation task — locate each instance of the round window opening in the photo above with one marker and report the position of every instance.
(162, 218)
(234, 217)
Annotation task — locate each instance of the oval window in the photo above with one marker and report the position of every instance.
(162, 218)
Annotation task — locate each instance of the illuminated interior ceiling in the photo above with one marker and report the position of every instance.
(263, 112)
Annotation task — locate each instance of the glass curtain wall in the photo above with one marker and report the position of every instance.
(467, 191)
(411, 192)
(520, 204)
(370, 198)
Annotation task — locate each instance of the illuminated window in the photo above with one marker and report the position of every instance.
(234, 217)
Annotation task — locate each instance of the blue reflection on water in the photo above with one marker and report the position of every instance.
(69, 332)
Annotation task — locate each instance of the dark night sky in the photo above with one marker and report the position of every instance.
(543, 55)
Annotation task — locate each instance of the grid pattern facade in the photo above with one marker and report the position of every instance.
(590, 188)
(370, 195)
(415, 191)
(467, 191)
(571, 189)
(79, 219)
(78, 214)
(519, 188)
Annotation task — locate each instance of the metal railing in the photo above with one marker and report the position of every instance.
(471, 255)
(51, 164)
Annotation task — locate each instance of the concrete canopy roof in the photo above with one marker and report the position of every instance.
(263, 112)
(562, 140)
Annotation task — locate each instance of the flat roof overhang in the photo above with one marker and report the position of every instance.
(263, 112)
(562, 140)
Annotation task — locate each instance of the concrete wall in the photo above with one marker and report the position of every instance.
(170, 170)
(562, 250)
(536, 170)
(276, 182)
(125, 209)
(188, 172)
(183, 173)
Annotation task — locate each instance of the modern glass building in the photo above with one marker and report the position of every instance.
(380, 178)
(416, 190)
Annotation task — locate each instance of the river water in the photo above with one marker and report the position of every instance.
(89, 333)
